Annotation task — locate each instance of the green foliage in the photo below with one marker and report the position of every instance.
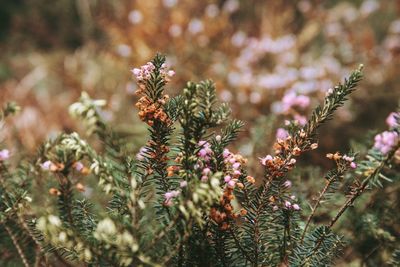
(186, 199)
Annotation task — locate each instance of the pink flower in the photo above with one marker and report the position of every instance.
(281, 134)
(226, 153)
(78, 166)
(142, 153)
(206, 171)
(4, 154)
(204, 178)
(288, 204)
(169, 195)
(202, 153)
(227, 178)
(296, 207)
(391, 120)
(231, 183)
(302, 101)
(385, 141)
(236, 165)
(265, 160)
(237, 173)
(171, 73)
(353, 165)
(46, 165)
(183, 184)
(302, 120)
(287, 184)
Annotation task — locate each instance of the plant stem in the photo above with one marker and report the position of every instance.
(316, 205)
(17, 246)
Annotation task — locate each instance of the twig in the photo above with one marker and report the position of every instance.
(17, 246)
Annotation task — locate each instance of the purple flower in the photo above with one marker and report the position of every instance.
(226, 153)
(296, 207)
(46, 165)
(202, 153)
(206, 171)
(385, 141)
(183, 184)
(281, 133)
(265, 160)
(231, 183)
(142, 152)
(78, 166)
(287, 184)
(227, 178)
(237, 172)
(353, 165)
(236, 165)
(391, 120)
(4, 154)
(169, 195)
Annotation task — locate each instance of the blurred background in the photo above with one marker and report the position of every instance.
(271, 60)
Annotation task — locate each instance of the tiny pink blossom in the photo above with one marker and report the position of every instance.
(236, 165)
(78, 166)
(287, 184)
(4, 154)
(296, 207)
(226, 153)
(183, 184)
(206, 171)
(227, 178)
(281, 133)
(169, 195)
(288, 204)
(391, 120)
(204, 178)
(385, 141)
(353, 165)
(171, 73)
(218, 138)
(265, 159)
(46, 165)
(202, 153)
(231, 183)
(237, 172)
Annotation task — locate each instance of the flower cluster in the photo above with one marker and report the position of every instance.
(150, 111)
(385, 141)
(289, 205)
(233, 164)
(337, 156)
(274, 164)
(169, 196)
(143, 74)
(4, 154)
(205, 153)
(50, 166)
(222, 213)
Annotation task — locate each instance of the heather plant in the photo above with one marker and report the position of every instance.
(187, 197)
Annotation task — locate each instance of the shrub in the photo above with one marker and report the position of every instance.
(185, 199)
